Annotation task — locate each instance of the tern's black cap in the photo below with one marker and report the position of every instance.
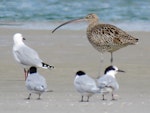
(109, 68)
(80, 73)
(32, 70)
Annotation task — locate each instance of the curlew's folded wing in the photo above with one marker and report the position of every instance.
(109, 34)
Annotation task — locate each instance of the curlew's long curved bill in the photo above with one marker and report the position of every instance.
(67, 23)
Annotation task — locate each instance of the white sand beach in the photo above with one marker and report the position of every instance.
(70, 51)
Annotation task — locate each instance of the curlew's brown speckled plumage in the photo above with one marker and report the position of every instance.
(105, 37)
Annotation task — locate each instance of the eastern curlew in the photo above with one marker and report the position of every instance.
(104, 37)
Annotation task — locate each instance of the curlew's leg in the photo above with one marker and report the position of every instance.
(102, 58)
(101, 64)
(111, 60)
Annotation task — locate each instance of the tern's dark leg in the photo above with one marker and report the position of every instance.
(39, 97)
(113, 97)
(29, 96)
(103, 97)
(81, 99)
(88, 98)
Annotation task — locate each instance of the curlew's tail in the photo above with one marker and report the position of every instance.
(46, 66)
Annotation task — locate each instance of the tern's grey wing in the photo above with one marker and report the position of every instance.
(106, 81)
(36, 83)
(28, 56)
(86, 84)
(113, 83)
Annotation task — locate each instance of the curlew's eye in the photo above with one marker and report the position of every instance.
(89, 16)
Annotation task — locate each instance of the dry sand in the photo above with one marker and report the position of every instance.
(70, 51)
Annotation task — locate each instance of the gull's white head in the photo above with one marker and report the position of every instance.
(112, 70)
(18, 38)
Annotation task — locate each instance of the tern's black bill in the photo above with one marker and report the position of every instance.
(121, 71)
(67, 23)
(24, 38)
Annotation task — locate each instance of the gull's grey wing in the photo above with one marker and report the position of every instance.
(27, 56)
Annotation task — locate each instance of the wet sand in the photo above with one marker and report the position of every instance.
(70, 51)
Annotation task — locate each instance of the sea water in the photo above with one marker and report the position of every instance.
(45, 14)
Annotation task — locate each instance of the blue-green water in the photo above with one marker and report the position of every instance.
(121, 12)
